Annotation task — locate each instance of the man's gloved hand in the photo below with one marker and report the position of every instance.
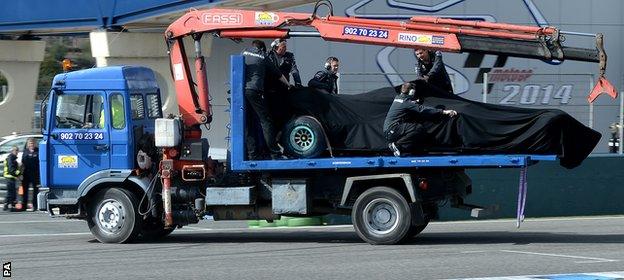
(450, 113)
(298, 86)
(290, 86)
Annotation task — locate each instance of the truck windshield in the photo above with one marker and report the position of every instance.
(78, 111)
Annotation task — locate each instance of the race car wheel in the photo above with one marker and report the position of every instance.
(113, 216)
(303, 137)
(381, 216)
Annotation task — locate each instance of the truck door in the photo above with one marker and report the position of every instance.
(120, 136)
(79, 141)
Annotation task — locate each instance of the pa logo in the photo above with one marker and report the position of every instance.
(6, 269)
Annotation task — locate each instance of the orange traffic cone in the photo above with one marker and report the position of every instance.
(20, 192)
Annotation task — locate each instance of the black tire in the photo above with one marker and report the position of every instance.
(152, 229)
(303, 137)
(416, 210)
(113, 216)
(381, 216)
(416, 229)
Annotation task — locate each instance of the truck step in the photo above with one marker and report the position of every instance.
(477, 211)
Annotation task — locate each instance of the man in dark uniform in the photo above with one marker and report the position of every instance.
(326, 79)
(257, 68)
(403, 127)
(285, 61)
(430, 67)
(11, 172)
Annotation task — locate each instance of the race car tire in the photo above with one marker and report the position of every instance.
(304, 137)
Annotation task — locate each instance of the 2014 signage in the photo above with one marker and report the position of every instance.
(534, 94)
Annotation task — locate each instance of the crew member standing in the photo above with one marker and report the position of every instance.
(430, 67)
(11, 172)
(30, 161)
(403, 127)
(327, 79)
(257, 68)
(285, 61)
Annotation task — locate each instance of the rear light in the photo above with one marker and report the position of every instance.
(172, 153)
(423, 184)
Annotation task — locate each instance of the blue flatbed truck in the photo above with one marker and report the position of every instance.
(101, 162)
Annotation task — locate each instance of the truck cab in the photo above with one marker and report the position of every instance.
(93, 124)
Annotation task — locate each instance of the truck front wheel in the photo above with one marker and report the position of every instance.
(113, 216)
(381, 216)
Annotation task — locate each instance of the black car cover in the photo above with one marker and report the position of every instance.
(353, 123)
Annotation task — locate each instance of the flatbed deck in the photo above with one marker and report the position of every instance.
(239, 164)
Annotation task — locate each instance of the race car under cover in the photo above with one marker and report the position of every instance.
(352, 124)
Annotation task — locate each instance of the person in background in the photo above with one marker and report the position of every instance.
(327, 79)
(11, 173)
(117, 114)
(430, 67)
(285, 61)
(30, 162)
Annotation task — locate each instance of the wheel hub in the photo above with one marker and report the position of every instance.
(302, 138)
(110, 216)
(381, 216)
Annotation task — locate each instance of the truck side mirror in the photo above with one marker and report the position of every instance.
(43, 114)
(88, 121)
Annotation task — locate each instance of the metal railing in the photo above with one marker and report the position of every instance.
(567, 92)
(359, 82)
(532, 90)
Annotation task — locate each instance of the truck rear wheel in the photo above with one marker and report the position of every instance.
(381, 216)
(113, 216)
(416, 229)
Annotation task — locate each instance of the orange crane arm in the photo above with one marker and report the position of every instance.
(419, 32)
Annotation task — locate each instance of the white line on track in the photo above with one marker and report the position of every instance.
(588, 275)
(44, 234)
(186, 229)
(42, 221)
(531, 220)
(587, 259)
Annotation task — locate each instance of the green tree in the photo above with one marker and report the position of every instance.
(56, 51)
